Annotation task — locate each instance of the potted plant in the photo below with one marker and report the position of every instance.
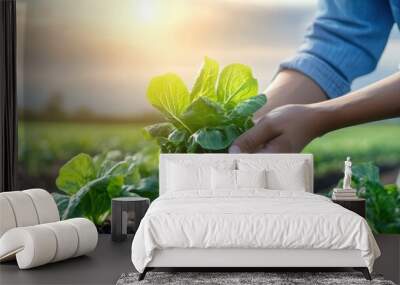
(383, 216)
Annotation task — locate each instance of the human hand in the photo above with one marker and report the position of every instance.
(283, 130)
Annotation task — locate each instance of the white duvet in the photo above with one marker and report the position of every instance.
(250, 219)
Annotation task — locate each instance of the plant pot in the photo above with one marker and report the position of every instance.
(388, 263)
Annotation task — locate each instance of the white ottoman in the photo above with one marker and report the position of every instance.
(31, 232)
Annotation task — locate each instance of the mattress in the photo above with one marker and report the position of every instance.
(250, 219)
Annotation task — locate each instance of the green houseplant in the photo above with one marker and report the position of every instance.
(382, 201)
(209, 118)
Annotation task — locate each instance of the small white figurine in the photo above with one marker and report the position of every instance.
(347, 174)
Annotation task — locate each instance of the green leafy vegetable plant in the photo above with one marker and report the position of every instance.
(210, 117)
(89, 183)
(383, 201)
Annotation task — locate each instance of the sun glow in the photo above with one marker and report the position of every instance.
(147, 11)
(155, 21)
(160, 13)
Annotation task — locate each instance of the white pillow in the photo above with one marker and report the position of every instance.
(223, 179)
(251, 178)
(188, 174)
(182, 177)
(227, 179)
(281, 174)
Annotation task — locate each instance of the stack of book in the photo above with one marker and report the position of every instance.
(344, 194)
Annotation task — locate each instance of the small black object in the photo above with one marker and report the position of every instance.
(364, 271)
(356, 205)
(143, 274)
(126, 214)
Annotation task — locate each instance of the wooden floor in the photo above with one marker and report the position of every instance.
(110, 259)
(102, 266)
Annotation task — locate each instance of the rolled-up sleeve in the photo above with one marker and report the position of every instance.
(344, 42)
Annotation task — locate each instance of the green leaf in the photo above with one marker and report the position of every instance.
(203, 112)
(205, 82)
(100, 200)
(216, 138)
(366, 171)
(392, 189)
(212, 119)
(114, 155)
(169, 94)
(114, 187)
(96, 196)
(148, 187)
(164, 144)
(105, 167)
(133, 175)
(178, 137)
(76, 173)
(236, 84)
(78, 197)
(126, 191)
(61, 202)
(159, 130)
(383, 209)
(98, 161)
(93, 199)
(119, 168)
(247, 107)
(382, 202)
(247, 124)
(193, 146)
(146, 159)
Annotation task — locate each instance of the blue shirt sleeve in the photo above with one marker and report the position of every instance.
(344, 42)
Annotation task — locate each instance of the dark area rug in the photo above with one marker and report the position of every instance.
(233, 278)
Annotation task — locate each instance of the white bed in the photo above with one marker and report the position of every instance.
(280, 225)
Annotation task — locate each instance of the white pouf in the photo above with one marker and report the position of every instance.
(31, 232)
(41, 244)
(24, 211)
(45, 205)
(7, 219)
(67, 238)
(87, 235)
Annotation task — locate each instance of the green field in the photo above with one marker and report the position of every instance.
(43, 144)
(44, 147)
(379, 142)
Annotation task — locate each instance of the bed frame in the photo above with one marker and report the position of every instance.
(245, 259)
(249, 259)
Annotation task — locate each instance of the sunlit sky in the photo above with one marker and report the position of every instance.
(101, 54)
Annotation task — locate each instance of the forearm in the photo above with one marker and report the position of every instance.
(375, 102)
(290, 87)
